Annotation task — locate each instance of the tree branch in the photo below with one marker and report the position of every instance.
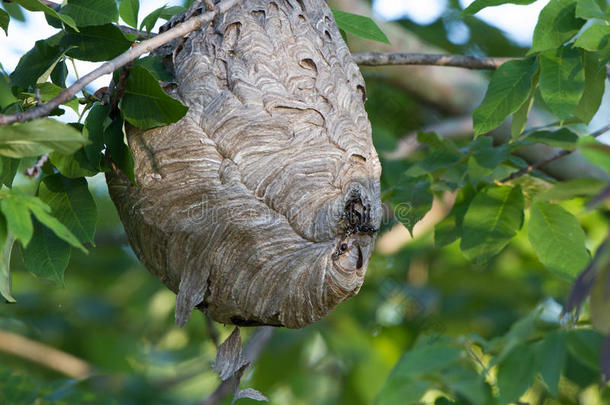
(544, 162)
(138, 50)
(425, 59)
(44, 355)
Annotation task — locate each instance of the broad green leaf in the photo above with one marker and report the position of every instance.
(562, 138)
(119, 151)
(488, 155)
(95, 43)
(94, 131)
(71, 203)
(411, 201)
(150, 20)
(557, 239)
(450, 229)
(145, 104)
(399, 390)
(35, 63)
(595, 85)
(584, 345)
(361, 26)
(562, 80)
(437, 142)
(492, 220)
(567, 190)
(8, 170)
(599, 306)
(522, 114)
(556, 25)
(18, 218)
(36, 5)
(47, 256)
(155, 66)
(551, 356)
(59, 74)
(73, 166)
(595, 152)
(169, 12)
(38, 137)
(14, 11)
(42, 213)
(516, 373)
(478, 5)
(6, 95)
(593, 9)
(426, 359)
(91, 12)
(596, 39)
(129, 12)
(508, 90)
(4, 21)
(6, 246)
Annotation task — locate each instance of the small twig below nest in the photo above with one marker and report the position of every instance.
(33, 171)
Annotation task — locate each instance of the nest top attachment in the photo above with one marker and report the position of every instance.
(260, 206)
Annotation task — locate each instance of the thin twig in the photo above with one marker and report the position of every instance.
(44, 355)
(563, 153)
(33, 171)
(253, 350)
(468, 62)
(131, 54)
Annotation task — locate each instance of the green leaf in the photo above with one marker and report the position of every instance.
(155, 66)
(47, 256)
(95, 43)
(145, 104)
(595, 152)
(596, 39)
(551, 356)
(35, 63)
(36, 5)
(6, 95)
(361, 26)
(567, 190)
(17, 217)
(450, 229)
(411, 201)
(49, 91)
(8, 170)
(595, 84)
(562, 80)
(94, 131)
(557, 239)
(508, 90)
(584, 345)
(6, 246)
(91, 12)
(522, 114)
(516, 373)
(593, 9)
(492, 220)
(4, 21)
(42, 213)
(562, 138)
(119, 151)
(71, 203)
(60, 73)
(129, 12)
(73, 166)
(169, 12)
(478, 5)
(557, 23)
(38, 137)
(150, 20)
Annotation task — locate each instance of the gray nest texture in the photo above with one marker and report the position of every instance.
(260, 206)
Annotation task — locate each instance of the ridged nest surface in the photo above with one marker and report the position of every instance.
(260, 206)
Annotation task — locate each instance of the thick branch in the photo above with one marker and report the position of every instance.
(424, 59)
(44, 355)
(138, 50)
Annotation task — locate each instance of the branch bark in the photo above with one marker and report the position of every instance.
(138, 50)
(44, 355)
(426, 59)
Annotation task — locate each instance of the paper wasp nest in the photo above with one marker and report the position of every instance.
(260, 206)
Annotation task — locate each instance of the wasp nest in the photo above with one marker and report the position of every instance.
(260, 206)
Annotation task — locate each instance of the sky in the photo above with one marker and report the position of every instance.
(517, 21)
